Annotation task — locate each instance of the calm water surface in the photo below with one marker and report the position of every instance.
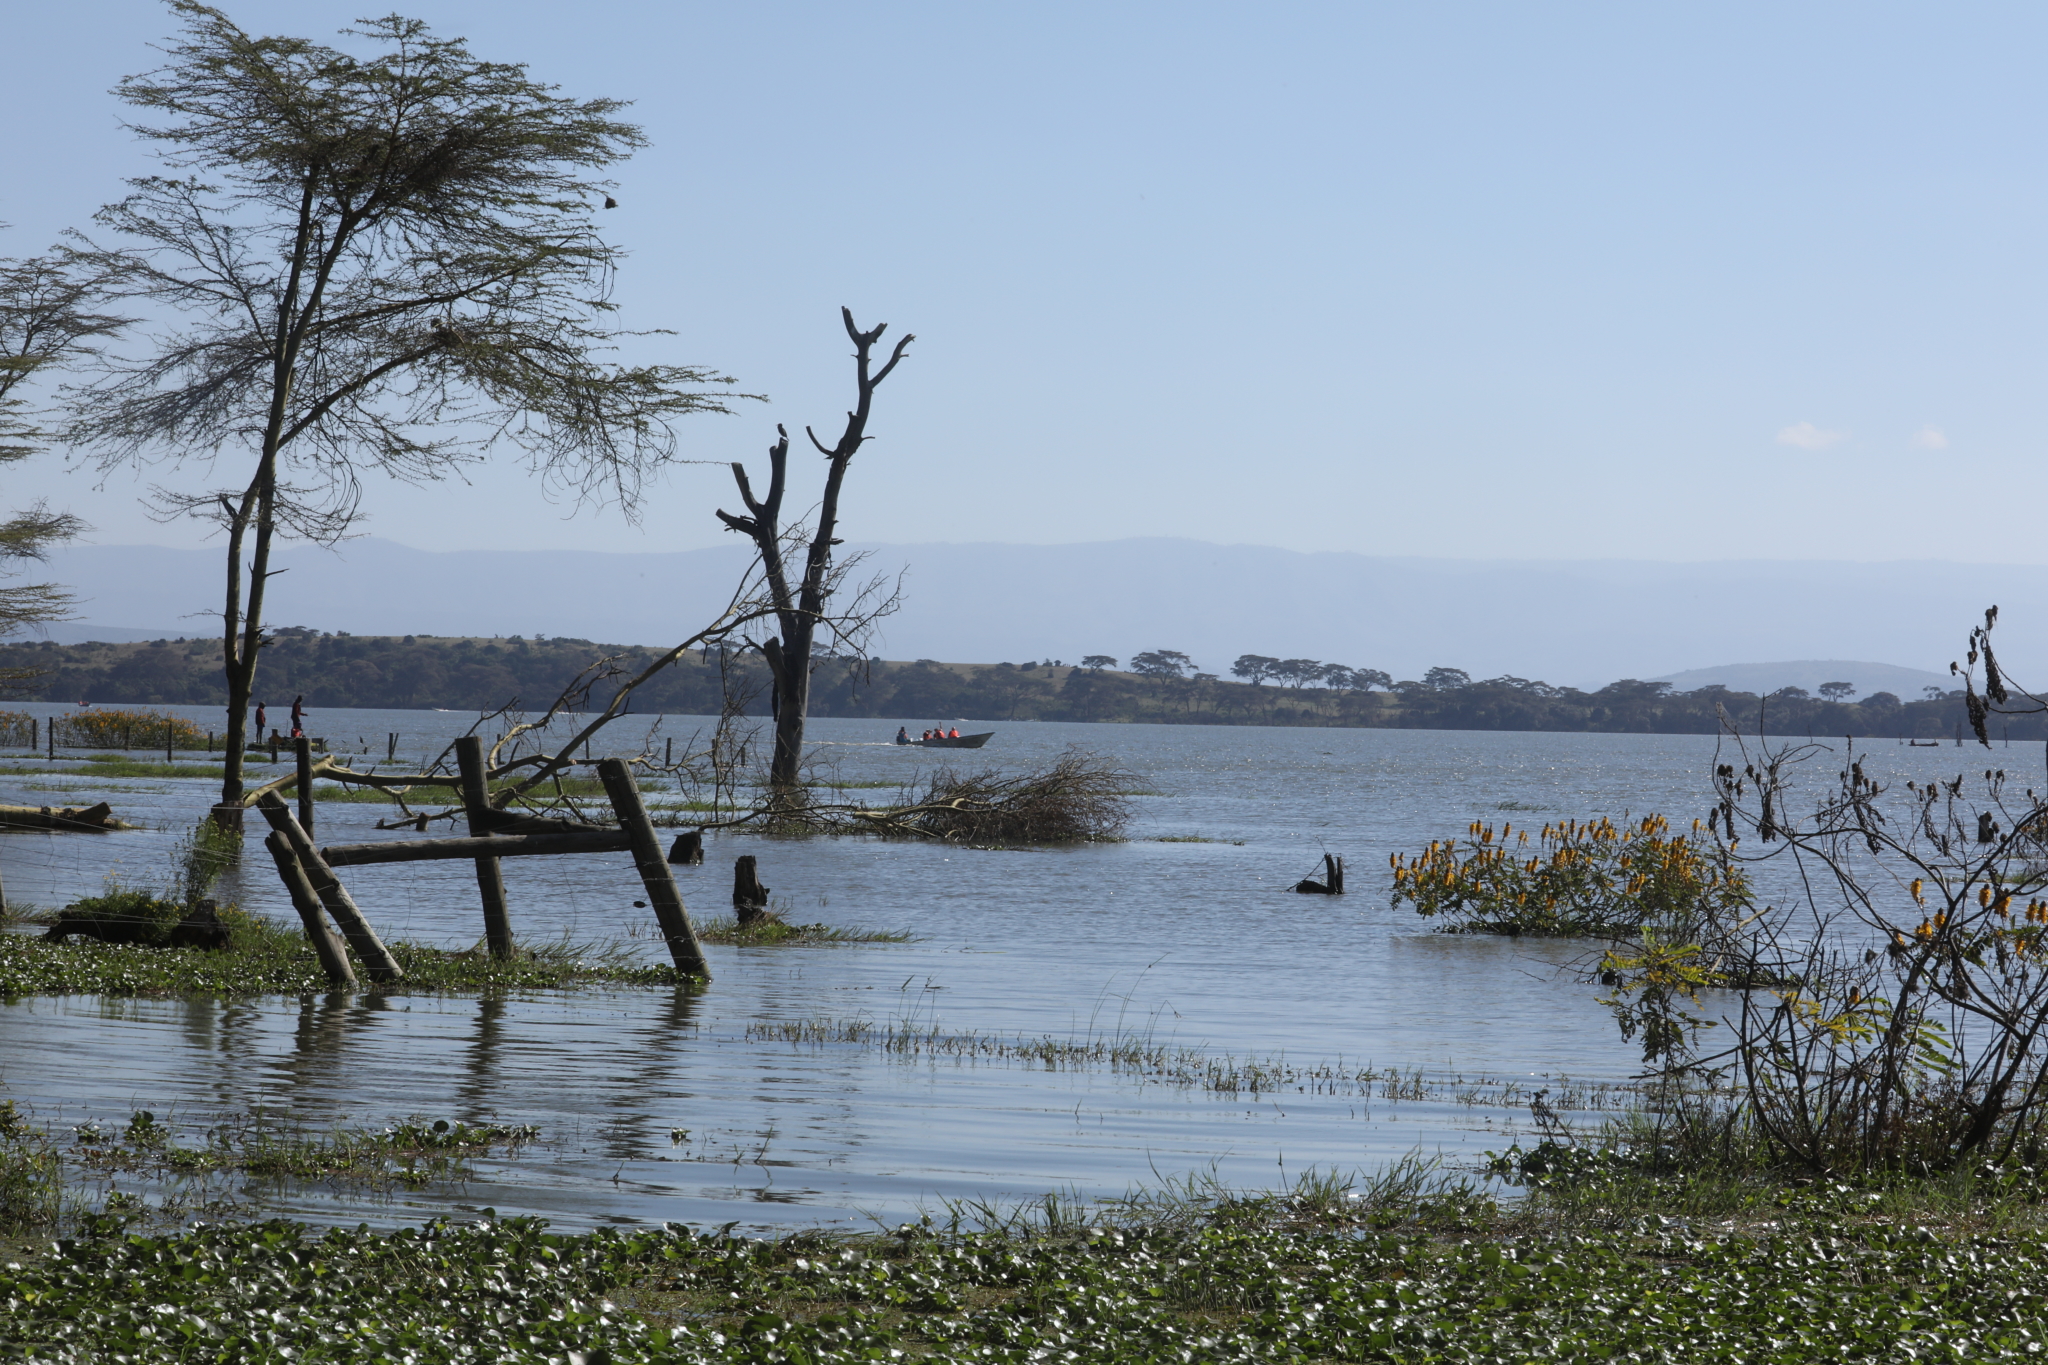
(656, 1104)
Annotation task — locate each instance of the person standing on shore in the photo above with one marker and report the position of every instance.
(260, 720)
(299, 716)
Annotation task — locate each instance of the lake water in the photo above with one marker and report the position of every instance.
(1197, 944)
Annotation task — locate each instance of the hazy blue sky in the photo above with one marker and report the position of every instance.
(1675, 281)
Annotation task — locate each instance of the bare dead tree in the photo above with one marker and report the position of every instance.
(801, 591)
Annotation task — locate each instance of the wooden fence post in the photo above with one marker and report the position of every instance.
(490, 877)
(654, 874)
(377, 959)
(333, 958)
(302, 750)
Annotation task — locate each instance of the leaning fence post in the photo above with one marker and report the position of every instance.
(333, 958)
(333, 895)
(654, 874)
(302, 750)
(490, 877)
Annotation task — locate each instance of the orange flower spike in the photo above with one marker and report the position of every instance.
(1919, 891)
(1983, 896)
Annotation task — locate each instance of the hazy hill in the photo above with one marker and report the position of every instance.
(1582, 623)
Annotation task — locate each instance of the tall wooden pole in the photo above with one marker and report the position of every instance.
(302, 750)
(490, 878)
(333, 958)
(377, 959)
(653, 866)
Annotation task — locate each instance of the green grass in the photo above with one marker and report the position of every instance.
(267, 958)
(774, 932)
(107, 765)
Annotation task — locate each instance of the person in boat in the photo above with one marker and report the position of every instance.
(925, 738)
(954, 733)
(903, 734)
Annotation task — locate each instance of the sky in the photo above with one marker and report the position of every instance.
(1679, 282)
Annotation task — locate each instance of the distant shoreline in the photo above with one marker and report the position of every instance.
(477, 674)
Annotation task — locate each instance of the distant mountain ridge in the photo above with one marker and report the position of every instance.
(1580, 623)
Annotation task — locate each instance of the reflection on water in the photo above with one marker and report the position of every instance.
(655, 1105)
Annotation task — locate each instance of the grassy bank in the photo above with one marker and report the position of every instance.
(267, 958)
(1398, 1270)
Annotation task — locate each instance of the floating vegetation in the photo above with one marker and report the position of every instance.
(1407, 1265)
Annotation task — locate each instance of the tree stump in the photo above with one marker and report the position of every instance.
(749, 897)
(688, 849)
(1333, 879)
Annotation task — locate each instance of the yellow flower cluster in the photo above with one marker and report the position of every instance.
(1573, 877)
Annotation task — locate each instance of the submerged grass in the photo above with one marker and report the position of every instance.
(54, 1179)
(1145, 1057)
(774, 932)
(267, 958)
(107, 766)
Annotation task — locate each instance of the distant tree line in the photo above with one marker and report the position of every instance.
(1160, 686)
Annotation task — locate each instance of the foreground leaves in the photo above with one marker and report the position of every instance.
(510, 1291)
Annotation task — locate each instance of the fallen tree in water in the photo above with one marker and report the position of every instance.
(96, 819)
(1080, 797)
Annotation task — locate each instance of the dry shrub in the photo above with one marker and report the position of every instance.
(1081, 796)
(111, 729)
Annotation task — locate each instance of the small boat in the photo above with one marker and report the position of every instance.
(949, 742)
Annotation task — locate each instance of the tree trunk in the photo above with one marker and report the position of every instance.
(490, 878)
(749, 897)
(800, 602)
(242, 619)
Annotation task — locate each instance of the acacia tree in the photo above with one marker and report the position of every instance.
(799, 574)
(366, 263)
(46, 321)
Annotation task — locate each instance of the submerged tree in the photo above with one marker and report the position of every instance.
(802, 589)
(46, 320)
(370, 263)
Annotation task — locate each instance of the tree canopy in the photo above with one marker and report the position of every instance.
(377, 261)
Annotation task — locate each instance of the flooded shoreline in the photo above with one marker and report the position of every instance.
(1182, 939)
